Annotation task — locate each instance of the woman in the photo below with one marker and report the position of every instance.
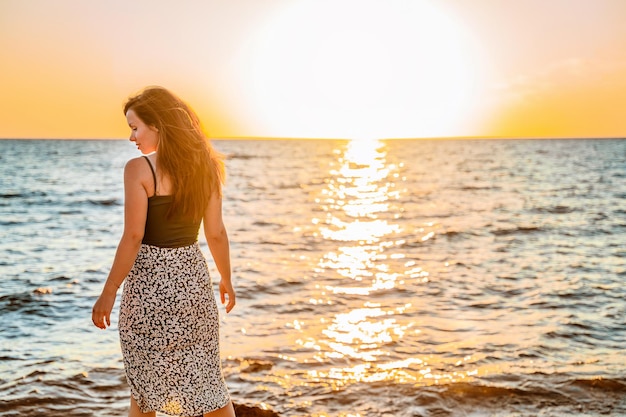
(168, 321)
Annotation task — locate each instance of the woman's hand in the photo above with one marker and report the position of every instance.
(101, 312)
(226, 289)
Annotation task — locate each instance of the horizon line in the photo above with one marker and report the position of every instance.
(277, 138)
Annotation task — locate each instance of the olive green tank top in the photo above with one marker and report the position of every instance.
(173, 232)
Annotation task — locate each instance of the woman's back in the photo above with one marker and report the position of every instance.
(164, 228)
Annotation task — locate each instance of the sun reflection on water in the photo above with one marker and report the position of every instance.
(363, 279)
(359, 215)
(359, 192)
(359, 333)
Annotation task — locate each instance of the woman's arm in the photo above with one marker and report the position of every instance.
(217, 238)
(135, 212)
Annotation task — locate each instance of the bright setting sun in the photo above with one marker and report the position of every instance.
(363, 69)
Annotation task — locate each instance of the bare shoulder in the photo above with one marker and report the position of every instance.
(136, 164)
(137, 169)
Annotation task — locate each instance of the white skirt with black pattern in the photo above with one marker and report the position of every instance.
(169, 333)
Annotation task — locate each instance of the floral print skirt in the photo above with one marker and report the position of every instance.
(169, 333)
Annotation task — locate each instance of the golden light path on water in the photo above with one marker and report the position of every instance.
(359, 190)
(360, 209)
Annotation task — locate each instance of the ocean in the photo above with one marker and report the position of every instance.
(374, 278)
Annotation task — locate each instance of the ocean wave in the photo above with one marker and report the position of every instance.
(500, 395)
(65, 202)
(271, 242)
(16, 194)
(245, 156)
(617, 386)
(263, 223)
(13, 222)
(30, 302)
(554, 209)
(61, 278)
(70, 212)
(479, 188)
(105, 202)
(516, 230)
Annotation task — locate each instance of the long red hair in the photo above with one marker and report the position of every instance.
(184, 153)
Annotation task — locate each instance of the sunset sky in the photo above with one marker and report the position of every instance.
(318, 68)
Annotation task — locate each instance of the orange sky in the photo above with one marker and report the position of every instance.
(319, 68)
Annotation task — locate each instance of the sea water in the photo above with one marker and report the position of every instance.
(374, 278)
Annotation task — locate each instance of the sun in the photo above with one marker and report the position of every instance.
(361, 68)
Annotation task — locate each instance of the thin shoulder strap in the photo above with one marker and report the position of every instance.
(153, 174)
